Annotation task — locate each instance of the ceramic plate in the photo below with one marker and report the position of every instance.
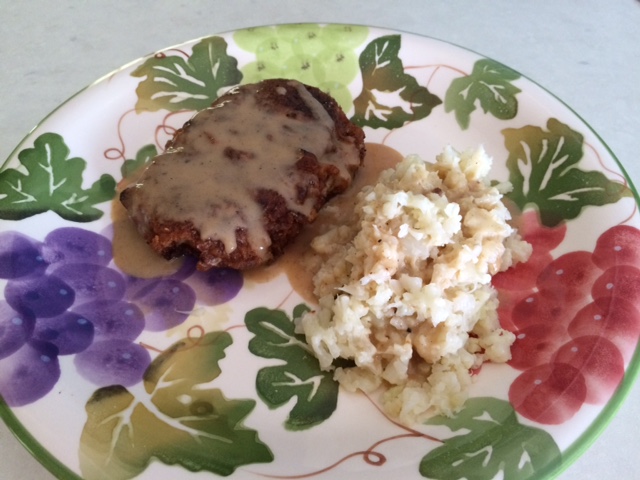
(225, 390)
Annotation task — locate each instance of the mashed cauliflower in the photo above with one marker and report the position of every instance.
(405, 290)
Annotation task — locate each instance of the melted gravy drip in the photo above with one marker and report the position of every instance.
(134, 256)
(233, 150)
(131, 253)
(299, 262)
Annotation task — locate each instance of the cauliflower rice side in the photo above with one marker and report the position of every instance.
(405, 290)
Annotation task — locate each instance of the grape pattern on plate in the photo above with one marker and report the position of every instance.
(64, 296)
(576, 320)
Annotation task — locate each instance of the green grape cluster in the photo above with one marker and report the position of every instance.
(321, 56)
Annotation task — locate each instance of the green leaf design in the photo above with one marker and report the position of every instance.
(488, 85)
(178, 419)
(323, 56)
(390, 97)
(174, 83)
(493, 442)
(50, 180)
(132, 166)
(543, 169)
(300, 375)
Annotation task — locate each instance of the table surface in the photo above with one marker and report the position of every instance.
(586, 52)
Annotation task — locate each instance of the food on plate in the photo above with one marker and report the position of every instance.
(240, 179)
(298, 262)
(405, 289)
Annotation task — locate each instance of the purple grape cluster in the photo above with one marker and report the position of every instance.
(63, 296)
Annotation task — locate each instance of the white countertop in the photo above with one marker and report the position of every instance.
(586, 52)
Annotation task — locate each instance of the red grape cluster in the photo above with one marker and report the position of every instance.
(576, 319)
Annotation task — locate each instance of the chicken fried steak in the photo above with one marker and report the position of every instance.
(240, 179)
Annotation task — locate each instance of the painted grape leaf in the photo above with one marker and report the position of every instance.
(491, 444)
(131, 166)
(174, 83)
(178, 419)
(543, 169)
(49, 180)
(390, 97)
(488, 85)
(299, 376)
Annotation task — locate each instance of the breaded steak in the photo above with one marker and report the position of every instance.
(240, 179)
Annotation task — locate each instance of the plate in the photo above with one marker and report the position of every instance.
(225, 391)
